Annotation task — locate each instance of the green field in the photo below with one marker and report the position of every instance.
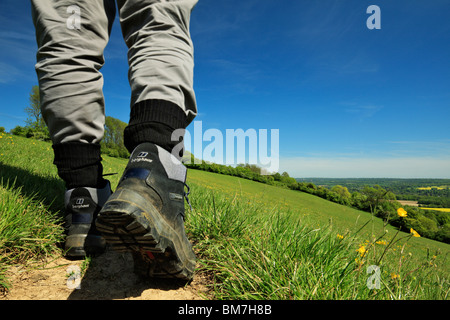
(312, 210)
(254, 241)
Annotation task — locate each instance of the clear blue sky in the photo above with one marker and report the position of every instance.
(348, 101)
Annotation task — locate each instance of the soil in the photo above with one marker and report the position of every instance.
(109, 276)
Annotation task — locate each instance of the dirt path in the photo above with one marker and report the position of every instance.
(109, 276)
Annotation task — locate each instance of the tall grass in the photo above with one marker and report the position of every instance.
(255, 251)
(31, 197)
(28, 230)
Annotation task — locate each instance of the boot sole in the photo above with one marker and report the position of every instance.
(128, 222)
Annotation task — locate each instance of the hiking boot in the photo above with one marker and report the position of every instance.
(145, 215)
(82, 206)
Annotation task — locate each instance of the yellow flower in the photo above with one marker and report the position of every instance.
(414, 233)
(394, 276)
(362, 250)
(401, 212)
(382, 242)
(340, 236)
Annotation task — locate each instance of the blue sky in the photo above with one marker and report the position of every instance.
(348, 101)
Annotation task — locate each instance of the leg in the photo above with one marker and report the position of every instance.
(71, 37)
(161, 69)
(146, 212)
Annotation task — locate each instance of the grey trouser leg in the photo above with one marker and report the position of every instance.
(70, 55)
(160, 54)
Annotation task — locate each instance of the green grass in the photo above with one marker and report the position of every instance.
(259, 251)
(27, 227)
(312, 210)
(30, 194)
(254, 241)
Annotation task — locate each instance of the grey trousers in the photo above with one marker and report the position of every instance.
(71, 37)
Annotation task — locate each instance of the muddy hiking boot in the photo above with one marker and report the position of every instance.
(81, 208)
(145, 215)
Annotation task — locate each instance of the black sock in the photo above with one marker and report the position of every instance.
(154, 121)
(79, 164)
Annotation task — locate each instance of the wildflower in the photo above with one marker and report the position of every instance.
(359, 262)
(362, 250)
(382, 242)
(339, 236)
(401, 212)
(394, 275)
(414, 233)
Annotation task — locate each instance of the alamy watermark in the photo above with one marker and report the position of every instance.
(236, 146)
(232, 147)
(374, 20)
(74, 20)
(73, 273)
(374, 280)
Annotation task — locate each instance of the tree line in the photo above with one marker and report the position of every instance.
(35, 127)
(431, 193)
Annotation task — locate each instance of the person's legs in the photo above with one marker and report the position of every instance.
(146, 212)
(71, 37)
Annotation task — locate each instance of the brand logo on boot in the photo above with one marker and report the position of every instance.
(79, 204)
(142, 157)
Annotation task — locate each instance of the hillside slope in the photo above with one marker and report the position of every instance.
(253, 241)
(313, 210)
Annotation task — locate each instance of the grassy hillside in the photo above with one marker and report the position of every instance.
(253, 240)
(311, 210)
